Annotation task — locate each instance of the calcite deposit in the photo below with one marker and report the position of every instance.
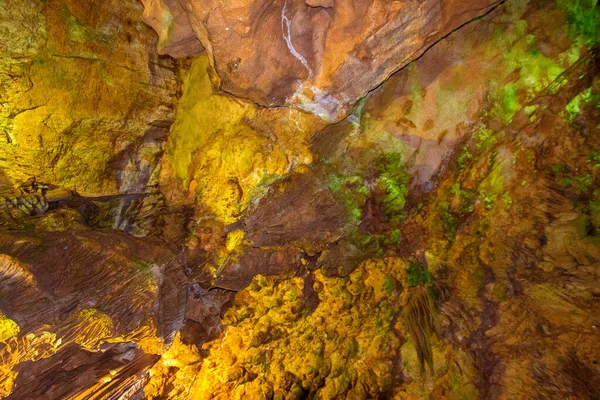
(317, 199)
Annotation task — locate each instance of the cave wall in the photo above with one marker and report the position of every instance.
(85, 107)
(436, 238)
(86, 101)
(422, 252)
(87, 104)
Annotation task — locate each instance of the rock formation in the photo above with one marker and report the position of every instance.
(319, 56)
(299, 199)
(175, 34)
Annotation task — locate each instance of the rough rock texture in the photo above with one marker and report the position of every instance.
(442, 241)
(85, 106)
(120, 370)
(320, 56)
(107, 288)
(86, 101)
(175, 34)
(226, 151)
(470, 241)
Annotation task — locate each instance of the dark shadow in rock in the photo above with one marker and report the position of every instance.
(203, 314)
(298, 210)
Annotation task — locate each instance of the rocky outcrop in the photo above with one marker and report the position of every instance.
(120, 370)
(319, 56)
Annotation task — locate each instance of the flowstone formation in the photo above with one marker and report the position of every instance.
(425, 223)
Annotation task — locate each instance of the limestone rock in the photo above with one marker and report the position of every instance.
(298, 210)
(105, 289)
(318, 56)
(86, 101)
(120, 370)
(439, 242)
(223, 152)
(491, 149)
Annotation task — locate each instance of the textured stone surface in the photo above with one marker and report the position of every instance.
(440, 242)
(67, 285)
(86, 101)
(175, 35)
(469, 181)
(85, 106)
(319, 56)
(119, 370)
(223, 152)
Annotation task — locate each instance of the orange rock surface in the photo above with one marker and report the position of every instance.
(319, 56)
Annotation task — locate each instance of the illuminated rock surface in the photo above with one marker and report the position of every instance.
(162, 238)
(321, 56)
(86, 101)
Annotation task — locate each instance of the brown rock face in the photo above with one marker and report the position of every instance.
(320, 56)
(112, 303)
(316, 218)
(169, 19)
